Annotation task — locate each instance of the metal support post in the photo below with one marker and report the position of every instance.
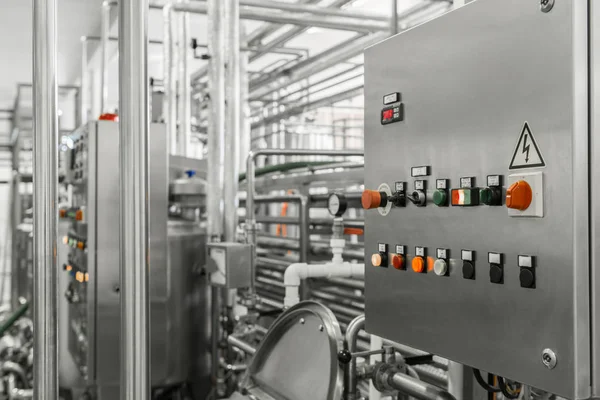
(104, 40)
(45, 199)
(394, 18)
(185, 86)
(234, 115)
(134, 121)
(170, 78)
(216, 127)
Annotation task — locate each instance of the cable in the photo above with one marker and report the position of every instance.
(483, 383)
(503, 388)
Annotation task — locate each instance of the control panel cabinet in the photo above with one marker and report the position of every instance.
(478, 191)
(92, 244)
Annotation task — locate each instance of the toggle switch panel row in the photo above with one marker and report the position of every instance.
(422, 263)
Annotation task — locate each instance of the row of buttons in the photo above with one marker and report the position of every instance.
(421, 263)
(80, 276)
(76, 214)
(518, 196)
(74, 242)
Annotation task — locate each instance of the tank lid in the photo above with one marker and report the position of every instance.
(297, 359)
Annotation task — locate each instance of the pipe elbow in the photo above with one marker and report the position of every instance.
(294, 274)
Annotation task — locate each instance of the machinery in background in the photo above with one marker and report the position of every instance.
(178, 346)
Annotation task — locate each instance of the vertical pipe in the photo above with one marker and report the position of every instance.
(234, 114)
(355, 326)
(134, 121)
(85, 81)
(394, 18)
(170, 78)
(104, 40)
(216, 128)
(45, 172)
(216, 160)
(185, 89)
(245, 131)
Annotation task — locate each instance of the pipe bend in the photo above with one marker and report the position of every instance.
(294, 274)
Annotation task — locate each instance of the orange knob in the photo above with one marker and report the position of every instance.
(519, 196)
(398, 261)
(79, 215)
(62, 213)
(371, 199)
(80, 245)
(376, 260)
(418, 264)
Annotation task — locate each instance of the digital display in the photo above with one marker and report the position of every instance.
(392, 114)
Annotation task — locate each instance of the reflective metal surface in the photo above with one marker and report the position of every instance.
(469, 81)
(45, 199)
(297, 359)
(136, 258)
(178, 294)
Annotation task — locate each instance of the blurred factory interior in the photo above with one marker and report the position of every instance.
(299, 199)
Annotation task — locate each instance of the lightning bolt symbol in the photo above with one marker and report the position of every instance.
(526, 149)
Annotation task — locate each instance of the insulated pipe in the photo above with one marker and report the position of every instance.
(233, 100)
(296, 273)
(45, 199)
(104, 39)
(170, 78)
(351, 337)
(185, 89)
(134, 268)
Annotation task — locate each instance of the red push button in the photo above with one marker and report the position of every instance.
(398, 261)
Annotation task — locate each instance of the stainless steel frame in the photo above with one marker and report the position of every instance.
(133, 150)
(45, 198)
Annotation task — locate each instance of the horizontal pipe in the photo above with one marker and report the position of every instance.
(314, 9)
(294, 18)
(417, 388)
(309, 106)
(113, 39)
(240, 344)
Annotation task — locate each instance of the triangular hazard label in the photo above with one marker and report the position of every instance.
(527, 153)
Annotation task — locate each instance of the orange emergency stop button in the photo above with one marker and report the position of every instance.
(371, 199)
(519, 196)
(418, 264)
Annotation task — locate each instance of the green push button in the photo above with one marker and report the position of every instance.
(485, 196)
(440, 198)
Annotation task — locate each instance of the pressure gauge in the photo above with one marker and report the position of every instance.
(337, 204)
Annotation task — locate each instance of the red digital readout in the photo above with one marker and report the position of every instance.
(387, 114)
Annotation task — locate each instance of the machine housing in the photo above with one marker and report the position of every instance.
(493, 85)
